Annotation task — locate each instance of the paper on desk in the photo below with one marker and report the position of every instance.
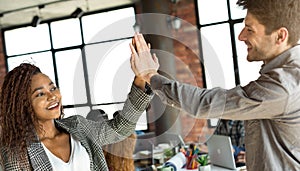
(177, 161)
(145, 152)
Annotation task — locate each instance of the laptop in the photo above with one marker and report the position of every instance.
(220, 152)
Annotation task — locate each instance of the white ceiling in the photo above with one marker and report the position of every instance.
(17, 12)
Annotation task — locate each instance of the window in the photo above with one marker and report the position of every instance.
(220, 44)
(97, 27)
(41, 59)
(71, 76)
(112, 87)
(217, 52)
(16, 41)
(66, 33)
(87, 57)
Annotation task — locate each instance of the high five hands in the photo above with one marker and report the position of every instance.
(143, 63)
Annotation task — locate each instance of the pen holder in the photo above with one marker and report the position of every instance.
(191, 162)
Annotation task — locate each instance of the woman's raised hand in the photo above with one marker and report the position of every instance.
(143, 63)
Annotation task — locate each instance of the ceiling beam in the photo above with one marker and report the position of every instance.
(33, 6)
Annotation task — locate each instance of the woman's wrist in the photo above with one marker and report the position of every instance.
(148, 76)
(139, 82)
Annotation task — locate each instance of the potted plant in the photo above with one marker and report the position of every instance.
(203, 162)
(168, 153)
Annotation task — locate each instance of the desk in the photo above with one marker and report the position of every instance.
(216, 168)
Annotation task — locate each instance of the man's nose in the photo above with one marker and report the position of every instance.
(242, 35)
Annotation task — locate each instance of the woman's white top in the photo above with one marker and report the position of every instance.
(79, 158)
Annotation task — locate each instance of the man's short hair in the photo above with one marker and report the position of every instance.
(274, 14)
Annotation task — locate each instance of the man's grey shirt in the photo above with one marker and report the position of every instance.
(269, 105)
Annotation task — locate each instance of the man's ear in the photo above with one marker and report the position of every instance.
(282, 35)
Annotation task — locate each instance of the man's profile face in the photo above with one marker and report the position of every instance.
(260, 47)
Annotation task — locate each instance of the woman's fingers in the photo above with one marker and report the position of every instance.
(142, 61)
(141, 43)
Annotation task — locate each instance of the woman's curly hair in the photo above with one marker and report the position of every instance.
(17, 118)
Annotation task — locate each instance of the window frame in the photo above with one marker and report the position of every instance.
(81, 46)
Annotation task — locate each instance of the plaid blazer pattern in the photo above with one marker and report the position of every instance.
(92, 135)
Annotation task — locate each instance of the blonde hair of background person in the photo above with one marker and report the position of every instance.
(119, 156)
(116, 154)
(34, 134)
(268, 105)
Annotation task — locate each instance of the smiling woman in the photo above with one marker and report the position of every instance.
(34, 136)
(45, 97)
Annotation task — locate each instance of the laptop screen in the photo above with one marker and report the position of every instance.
(220, 151)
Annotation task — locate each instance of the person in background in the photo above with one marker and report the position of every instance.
(121, 153)
(236, 131)
(268, 105)
(97, 115)
(35, 136)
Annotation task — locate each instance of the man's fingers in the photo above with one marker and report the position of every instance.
(132, 63)
(133, 51)
(154, 57)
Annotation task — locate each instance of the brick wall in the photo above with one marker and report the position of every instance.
(2, 62)
(187, 50)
